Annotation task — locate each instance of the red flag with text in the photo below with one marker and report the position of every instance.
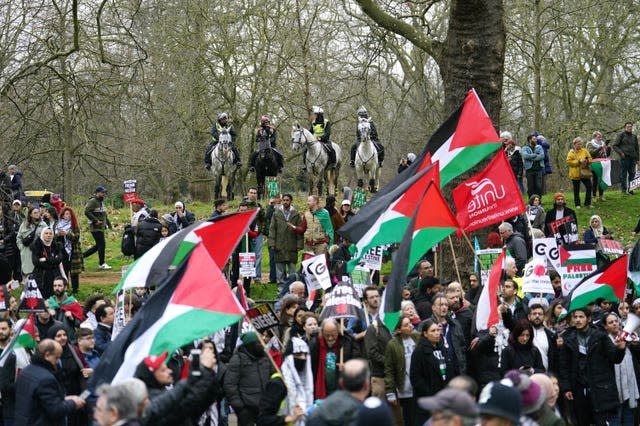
(489, 197)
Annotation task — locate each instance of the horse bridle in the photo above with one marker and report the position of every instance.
(312, 142)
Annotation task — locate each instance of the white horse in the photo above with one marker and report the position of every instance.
(316, 159)
(223, 169)
(367, 167)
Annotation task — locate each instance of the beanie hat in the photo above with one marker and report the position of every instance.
(497, 399)
(545, 383)
(558, 195)
(374, 411)
(531, 394)
(249, 337)
(154, 362)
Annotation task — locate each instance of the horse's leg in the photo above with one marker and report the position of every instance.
(224, 182)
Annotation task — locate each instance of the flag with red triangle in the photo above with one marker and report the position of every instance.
(194, 301)
(431, 222)
(24, 336)
(487, 309)
(391, 224)
(608, 283)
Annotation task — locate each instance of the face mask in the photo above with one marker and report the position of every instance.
(255, 349)
(300, 364)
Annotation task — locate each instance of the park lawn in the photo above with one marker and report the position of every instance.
(619, 214)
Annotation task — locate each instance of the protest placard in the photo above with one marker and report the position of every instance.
(316, 273)
(247, 264)
(130, 190)
(262, 317)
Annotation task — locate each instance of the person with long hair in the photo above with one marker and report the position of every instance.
(68, 234)
(397, 365)
(28, 232)
(297, 327)
(552, 321)
(521, 354)
(431, 366)
(287, 310)
(47, 256)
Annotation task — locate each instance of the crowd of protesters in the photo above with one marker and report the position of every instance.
(538, 365)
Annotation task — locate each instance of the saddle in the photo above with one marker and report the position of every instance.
(331, 153)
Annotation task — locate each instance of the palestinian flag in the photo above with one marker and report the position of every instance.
(431, 222)
(602, 168)
(389, 225)
(219, 235)
(69, 304)
(487, 309)
(607, 283)
(193, 302)
(24, 336)
(461, 142)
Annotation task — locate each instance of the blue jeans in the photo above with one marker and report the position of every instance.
(627, 172)
(273, 276)
(625, 416)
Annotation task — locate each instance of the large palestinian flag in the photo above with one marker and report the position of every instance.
(461, 142)
(390, 225)
(193, 302)
(219, 235)
(602, 168)
(607, 283)
(24, 336)
(431, 222)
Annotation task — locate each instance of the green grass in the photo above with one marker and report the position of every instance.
(619, 214)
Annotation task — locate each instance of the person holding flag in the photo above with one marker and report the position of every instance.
(64, 307)
(316, 227)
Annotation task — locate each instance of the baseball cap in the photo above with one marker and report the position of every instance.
(455, 400)
(500, 400)
(17, 202)
(346, 202)
(100, 188)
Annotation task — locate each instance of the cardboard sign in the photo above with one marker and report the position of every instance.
(487, 258)
(373, 258)
(31, 299)
(547, 248)
(271, 186)
(120, 318)
(565, 230)
(262, 317)
(247, 264)
(361, 279)
(635, 182)
(535, 279)
(359, 198)
(610, 247)
(576, 262)
(130, 190)
(316, 273)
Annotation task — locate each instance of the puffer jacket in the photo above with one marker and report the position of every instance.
(340, 408)
(246, 379)
(574, 161)
(147, 235)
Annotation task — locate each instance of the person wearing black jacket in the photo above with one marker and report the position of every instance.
(543, 338)
(521, 354)
(40, 397)
(587, 377)
(560, 211)
(147, 233)
(47, 256)
(486, 357)
(512, 307)
(431, 366)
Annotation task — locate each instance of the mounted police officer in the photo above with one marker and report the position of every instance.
(363, 115)
(321, 129)
(266, 133)
(220, 126)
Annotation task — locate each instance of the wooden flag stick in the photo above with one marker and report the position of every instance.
(455, 261)
(473, 250)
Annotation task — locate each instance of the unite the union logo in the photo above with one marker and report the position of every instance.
(484, 193)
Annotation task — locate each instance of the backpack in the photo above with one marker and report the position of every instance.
(128, 244)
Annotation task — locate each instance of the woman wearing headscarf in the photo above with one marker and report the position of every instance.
(68, 234)
(595, 231)
(28, 232)
(47, 256)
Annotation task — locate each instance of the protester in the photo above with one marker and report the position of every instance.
(117, 404)
(341, 407)
(535, 212)
(316, 227)
(587, 374)
(46, 256)
(487, 352)
(86, 344)
(40, 397)
(598, 149)
(345, 210)
(559, 211)
(68, 235)
(92, 303)
(65, 308)
(310, 324)
(533, 157)
(431, 365)
(454, 406)
(408, 310)
(397, 365)
(247, 375)
(543, 338)
(376, 338)
(533, 399)
(499, 404)
(579, 160)
(219, 208)
(29, 231)
(148, 233)
(284, 242)
(521, 354)
(96, 212)
(626, 146)
(102, 332)
(596, 231)
(511, 307)
(514, 242)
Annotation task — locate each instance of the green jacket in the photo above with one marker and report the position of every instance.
(96, 212)
(395, 367)
(282, 239)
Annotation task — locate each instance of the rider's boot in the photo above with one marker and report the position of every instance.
(380, 149)
(352, 162)
(236, 156)
(252, 162)
(207, 155)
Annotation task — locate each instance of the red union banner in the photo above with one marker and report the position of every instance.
(489, 197)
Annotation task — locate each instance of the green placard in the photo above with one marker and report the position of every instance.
(272, 185)
(359, 198)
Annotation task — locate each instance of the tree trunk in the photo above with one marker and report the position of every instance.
(473, 55)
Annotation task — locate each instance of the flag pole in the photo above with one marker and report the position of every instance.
(455, 261)
(473, 250)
